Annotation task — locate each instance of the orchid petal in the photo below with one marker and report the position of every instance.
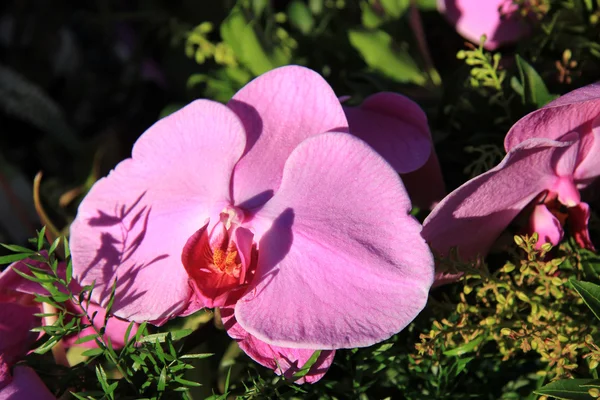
(133, 224)
(279, 109)
(579, 217)
(497, 19)
(284, 361)
(426, 186)
(341, 263)
(474, 215)
(395, 126)
(589, 167)
(26, 384)
(16, 321)
(546, 225)
(573, 112)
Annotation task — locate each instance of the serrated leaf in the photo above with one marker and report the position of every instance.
(534, 88)
(465, 348)
(566, 389)
(375, 47)
(590, 293)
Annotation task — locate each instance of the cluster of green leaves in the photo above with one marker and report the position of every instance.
(536, 304)
(150, 366)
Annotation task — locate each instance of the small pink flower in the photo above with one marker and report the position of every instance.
(552, 155)
(267, 209)
(15, 288)
(499, 20)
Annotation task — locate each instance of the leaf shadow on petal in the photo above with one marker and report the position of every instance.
(132, 222)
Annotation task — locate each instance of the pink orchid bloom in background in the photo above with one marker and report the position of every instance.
(397, 128)
(25, 384)
(499, 20)
(552, 155)
(16, 322)
(15, 288)
(267, 209)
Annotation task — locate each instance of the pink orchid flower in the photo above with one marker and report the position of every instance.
(300, 233)
(15, 288)
(552, 155)
(499, 20)
(16, 322)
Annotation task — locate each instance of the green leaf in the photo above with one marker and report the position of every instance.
(67, 249)
(590, 293)
(307, 366)
(300, 16)
(11, 258)
(40, 238)
(395, 8)
(197, 355)
(85, 339)
(161, 337)
(465, 348)
(92, 352)
(534, 88)
(238, 33)
(162, 380)
(53, 246)
(375, 47)
(69, 272)
(566, 389)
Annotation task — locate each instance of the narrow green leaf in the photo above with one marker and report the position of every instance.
(162, 380)
(40, 238)
(53, 246)
(161, 337)
(566, 389)
(590, 293)
(92, 352)
(307, 366)
(185, 382)
(69, 272)
(465, 348)
(198, 355)
(17, 249)
(85, 339)
(11, 258)
(67, 248)
(375, 47)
